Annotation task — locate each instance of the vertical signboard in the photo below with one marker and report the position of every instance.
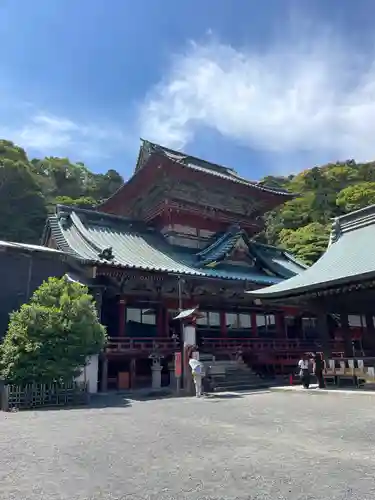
(177, 365)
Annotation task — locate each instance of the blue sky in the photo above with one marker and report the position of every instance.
(266, 87)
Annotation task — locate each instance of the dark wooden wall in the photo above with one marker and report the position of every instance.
(14, 278)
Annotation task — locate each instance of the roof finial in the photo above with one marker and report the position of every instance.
(335, 231)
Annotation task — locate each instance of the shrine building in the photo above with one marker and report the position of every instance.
(340, 285)
(179, 234)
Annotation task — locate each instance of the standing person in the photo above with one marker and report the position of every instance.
(197, 371)
(198, 376)
(318, 369)
(304, 371)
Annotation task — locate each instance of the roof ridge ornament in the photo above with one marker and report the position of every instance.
(336, 231)
(106, 254)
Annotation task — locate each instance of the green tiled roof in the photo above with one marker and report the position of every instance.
(350, 258)
(93, 236)
(277, 260)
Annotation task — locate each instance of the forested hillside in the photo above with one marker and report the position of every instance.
(302, 225)
(29, 188)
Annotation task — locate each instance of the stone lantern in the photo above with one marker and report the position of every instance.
(156, 368)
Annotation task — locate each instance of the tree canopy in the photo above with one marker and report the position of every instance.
(50, 338)
(29, 189)
(303, 224)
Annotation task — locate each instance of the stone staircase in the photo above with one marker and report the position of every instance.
(232, 376)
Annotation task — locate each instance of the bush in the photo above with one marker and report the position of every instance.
(50, 338)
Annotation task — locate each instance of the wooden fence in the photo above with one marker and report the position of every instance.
(13, 397)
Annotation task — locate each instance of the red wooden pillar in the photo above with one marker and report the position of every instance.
(254, 327)
(223, 324)
(161, 322)
(121, 317)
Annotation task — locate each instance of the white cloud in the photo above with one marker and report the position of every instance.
(291, 98)
(46, 134)
(42, 133)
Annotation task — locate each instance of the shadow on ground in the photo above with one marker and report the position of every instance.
(150, 395)
(223, 396)
(106, 401)
(109, 401)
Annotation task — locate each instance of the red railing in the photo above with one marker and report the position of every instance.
(167, 345)
(140, 344)
(258, 344)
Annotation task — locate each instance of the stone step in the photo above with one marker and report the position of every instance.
(238, 377)
(226, 362)
(242, 377)
(234, 373)
(206, 357)
(240, 369)
(240, 372)
(238, 383)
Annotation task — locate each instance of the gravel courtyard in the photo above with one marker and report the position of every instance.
(259, 446)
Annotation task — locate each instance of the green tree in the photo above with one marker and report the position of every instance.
(292, 215)
(22, 205)
(50, 338)
(83, 202)
(340, 175)
(323, 193)
(276, 181)
(366, 171)
(102, 186)
(9, 151)
(60, 177)
(356, 196)
(306, 243)
(30, 189)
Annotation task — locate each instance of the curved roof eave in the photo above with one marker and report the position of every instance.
(230, 175)
(348, 259)
(271, 292)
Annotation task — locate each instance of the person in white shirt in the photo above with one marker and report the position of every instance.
(197, 371)
(198, 374)
(304, 371)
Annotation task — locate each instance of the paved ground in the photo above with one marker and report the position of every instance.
(261, 446)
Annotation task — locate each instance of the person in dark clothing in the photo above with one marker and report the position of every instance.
(207, 384)
(318, 369)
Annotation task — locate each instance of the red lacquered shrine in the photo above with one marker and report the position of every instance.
(177, 235)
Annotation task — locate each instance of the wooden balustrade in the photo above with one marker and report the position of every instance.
(166, 345)
(359, 371)
(140, 344)
(259, 344)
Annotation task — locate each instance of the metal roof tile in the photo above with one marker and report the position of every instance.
(132, 248)
(277, 260)
(350, 257)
